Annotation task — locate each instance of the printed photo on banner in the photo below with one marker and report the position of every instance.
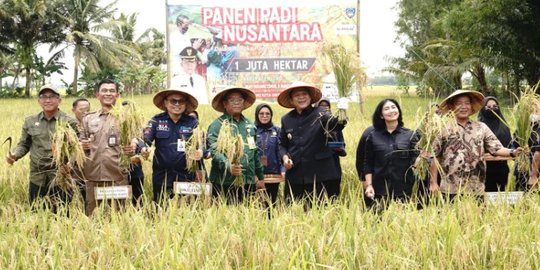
(262, 48)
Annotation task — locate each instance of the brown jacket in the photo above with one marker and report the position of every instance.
(103, 163)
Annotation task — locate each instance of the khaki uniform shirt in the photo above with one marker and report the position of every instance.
(103, 159)
(36, 139)
(460, 151)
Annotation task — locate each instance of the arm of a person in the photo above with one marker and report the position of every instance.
(283, 144)
(535, 165)
(24, 144)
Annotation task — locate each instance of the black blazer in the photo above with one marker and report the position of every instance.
(303, 139)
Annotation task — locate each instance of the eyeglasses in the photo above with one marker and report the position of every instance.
(48, 97)
(174, 101)
(107, 90)
(235, 100)
(492, 107)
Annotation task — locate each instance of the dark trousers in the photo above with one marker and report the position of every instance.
(313, 192)
(49, 197)
(272, 190)
(232, 193)
(161, 193)
(137, 184)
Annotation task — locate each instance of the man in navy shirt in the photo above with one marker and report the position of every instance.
(170, 131)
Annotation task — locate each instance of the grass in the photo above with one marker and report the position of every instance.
(200, 236)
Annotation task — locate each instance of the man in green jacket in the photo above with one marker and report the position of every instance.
(232, 101)
(36, 139)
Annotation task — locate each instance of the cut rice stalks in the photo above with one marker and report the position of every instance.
(528, 104)
(67, 154)
(130, 121)
(430, 126)
(195, 147)
(231, 145)
(347, 71)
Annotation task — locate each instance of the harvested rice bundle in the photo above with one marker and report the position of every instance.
(67, 152)
(528, 104)
(130, 121)
(430, 126)
(194, 149)
(347, 71)
(231, 145)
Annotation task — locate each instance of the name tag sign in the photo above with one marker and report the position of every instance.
(504, 197)
(113, 193)
(192, 188)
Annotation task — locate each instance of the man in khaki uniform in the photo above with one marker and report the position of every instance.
(100, 140)
(36, 139)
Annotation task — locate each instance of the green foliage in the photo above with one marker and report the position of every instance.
(444, 39)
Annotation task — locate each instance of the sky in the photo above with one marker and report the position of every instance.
(377, 33)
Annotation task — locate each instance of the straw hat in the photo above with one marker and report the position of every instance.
(477, 100)
(217, 101)
(159, 99)
(284, 98)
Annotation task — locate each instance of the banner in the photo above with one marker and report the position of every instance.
(262, 47)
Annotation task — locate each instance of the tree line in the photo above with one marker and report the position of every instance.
(103, 46)
(497, 42)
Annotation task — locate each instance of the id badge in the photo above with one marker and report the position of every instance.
(264, 160)
(181, 146)
(112, 140)
(251, 142)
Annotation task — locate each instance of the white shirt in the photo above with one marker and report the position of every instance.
(199, 89)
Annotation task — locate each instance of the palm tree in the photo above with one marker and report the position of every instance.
(24, 24)
(88, 23)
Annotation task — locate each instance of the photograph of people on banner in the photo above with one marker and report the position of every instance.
(262, 48)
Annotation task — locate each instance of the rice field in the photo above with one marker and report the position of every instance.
(203, 235)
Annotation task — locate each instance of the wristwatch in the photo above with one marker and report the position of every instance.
(512, 152)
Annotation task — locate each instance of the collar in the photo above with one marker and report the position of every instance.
(41, 115)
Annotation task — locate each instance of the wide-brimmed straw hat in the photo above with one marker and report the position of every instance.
(477, 100)
(284, 98)
(248, 95)
(159, 99)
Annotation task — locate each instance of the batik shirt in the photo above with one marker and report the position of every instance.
(460, 151)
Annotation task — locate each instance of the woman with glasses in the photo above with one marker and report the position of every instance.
(496, 171)
(268, 144)
(170, 130)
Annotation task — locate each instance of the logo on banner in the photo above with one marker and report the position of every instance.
(350, 12)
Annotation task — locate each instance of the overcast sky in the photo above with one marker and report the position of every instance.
(377, 32)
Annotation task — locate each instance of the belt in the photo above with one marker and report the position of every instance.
(273, 178)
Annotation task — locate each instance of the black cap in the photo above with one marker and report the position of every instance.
(188, 53)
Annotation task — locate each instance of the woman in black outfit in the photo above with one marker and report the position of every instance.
(496, 171)
(390, 152)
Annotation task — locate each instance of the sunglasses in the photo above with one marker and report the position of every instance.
(174, 101)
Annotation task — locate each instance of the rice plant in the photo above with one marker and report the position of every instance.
(67, 153)
(130, 121)
(528, 104)
(231, 145)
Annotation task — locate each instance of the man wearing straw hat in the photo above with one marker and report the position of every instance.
(460, 147)
(311, 170)
(170, 131)
(232, 101)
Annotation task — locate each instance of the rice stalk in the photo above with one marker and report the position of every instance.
(231, 145)
(347, 71)
(67, 154)
(130, 121)
(430, 126)
(527, 105)
(196, 143)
